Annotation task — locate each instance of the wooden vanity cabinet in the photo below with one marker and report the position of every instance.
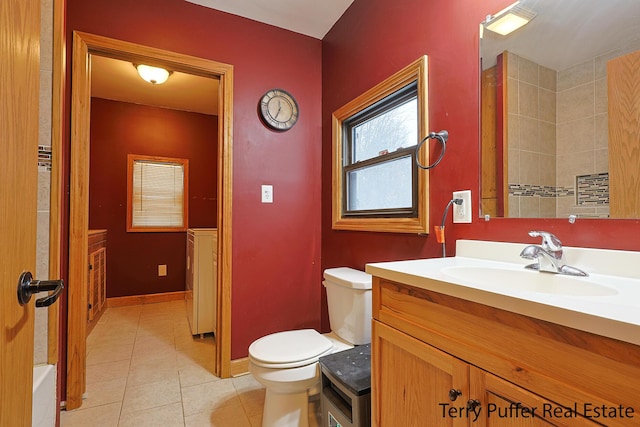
(411, 378)
(427, 347)
(97, 276)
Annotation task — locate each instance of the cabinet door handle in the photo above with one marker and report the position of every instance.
(472, 404)
(453, 394)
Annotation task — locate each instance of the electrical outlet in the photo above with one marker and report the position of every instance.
(162, 270)
(462, 213)
(267, 194)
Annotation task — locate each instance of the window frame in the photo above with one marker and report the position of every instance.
(395, 100)
(415, 220)
(131, 159)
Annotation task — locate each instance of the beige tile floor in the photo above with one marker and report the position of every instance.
(144, 368)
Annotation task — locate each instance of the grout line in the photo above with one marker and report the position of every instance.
(145, 316)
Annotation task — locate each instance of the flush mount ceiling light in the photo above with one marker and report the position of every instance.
(153, 75)
(510, 19)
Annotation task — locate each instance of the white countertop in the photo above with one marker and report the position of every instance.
(615, 316)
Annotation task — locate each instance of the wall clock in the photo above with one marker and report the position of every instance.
(278, 109)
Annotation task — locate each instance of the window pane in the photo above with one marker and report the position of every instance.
(382, 186)
(157, 194)
(393, 129)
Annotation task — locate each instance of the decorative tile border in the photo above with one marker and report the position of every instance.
(528, 190)
(44, 158)
(593, 189)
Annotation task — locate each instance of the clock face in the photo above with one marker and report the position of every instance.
(279, 109)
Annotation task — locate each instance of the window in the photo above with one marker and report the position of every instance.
(376, 185)
(157, 194)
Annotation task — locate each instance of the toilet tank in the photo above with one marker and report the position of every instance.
(349, 303)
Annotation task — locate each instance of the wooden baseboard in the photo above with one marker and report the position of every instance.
(239, 367)
(144, 299)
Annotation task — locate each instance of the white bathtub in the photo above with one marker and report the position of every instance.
(44, 396)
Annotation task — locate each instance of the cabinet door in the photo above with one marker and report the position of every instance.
(90, 287)
(97, 275)
(504, 404)
(188, 295)
(103, 282)
(97, 282)
(411, 382)
(100, 279)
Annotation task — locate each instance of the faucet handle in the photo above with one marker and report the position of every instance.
(549, 241)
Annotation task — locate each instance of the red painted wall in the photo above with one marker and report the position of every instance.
(119, 129)
(276, 247)
(373, 40)
(447, 32)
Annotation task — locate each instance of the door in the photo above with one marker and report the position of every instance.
(19, 86)
(623, 75)
(488, 141)
(415, 384)
(85, 45)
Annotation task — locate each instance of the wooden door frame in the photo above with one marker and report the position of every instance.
(55, 192)
(85, 45)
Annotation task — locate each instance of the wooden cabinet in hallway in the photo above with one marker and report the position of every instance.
(97, 280)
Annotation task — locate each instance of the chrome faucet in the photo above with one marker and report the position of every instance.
(549, 255)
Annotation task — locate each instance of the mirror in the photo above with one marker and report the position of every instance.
(560, 115)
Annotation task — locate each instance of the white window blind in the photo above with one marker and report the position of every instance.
(157, 194)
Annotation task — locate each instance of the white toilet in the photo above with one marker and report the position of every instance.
(286, 363)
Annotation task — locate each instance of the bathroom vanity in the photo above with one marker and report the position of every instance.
(447, 351)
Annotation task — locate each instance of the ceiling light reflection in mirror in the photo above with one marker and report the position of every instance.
(509, 19)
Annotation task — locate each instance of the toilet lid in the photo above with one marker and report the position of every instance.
(290, 348)
(348, 277)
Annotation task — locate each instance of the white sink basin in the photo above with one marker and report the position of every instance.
(530, 281)
(606, 303)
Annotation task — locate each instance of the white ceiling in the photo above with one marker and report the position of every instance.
(568, 32)
(564, 33)
(117, 80)
(310, 17)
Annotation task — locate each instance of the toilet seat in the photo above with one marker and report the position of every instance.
(289, 349)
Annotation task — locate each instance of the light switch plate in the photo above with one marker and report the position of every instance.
(462, 213)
